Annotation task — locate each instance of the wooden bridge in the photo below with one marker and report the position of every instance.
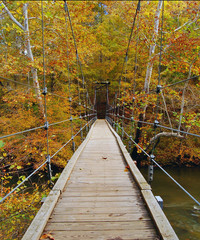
(101, 195)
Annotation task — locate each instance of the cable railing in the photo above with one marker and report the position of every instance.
(47, 160)
(49, 92)
(152, 158)
(89, 116)
(45, 126)
(155, 124)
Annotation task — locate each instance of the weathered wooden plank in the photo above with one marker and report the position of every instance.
(100, 199)
(92, 183)
(96, 217)
(100, 204)
(100, 226)
(105, 235)
(102, 193)
(94, 176)
(99, 188)
(114, 210)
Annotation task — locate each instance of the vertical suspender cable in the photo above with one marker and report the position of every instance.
(158, 89)
(78, 60)
(133, 25)
(134, 84)
(135, 71)
(45, 100)
(77, 56)
(69, 86)
(126, 55)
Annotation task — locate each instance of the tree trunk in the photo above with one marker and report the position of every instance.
(30, 56)
(28, 51)
(134, 154)
(152, 48)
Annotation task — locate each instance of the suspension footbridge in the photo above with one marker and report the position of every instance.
(101, 193)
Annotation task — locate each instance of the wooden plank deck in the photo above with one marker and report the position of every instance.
(97, 198)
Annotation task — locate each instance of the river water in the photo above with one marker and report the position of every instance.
(182, 212)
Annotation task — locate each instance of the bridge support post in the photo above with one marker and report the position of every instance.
(73, 144)
(48, 158)
(116, 127)
(122, 132)
(150, 169)
(129, 144)
(81, 134)
(150, 173)
(160, 201)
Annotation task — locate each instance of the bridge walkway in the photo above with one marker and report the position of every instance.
(101, 195)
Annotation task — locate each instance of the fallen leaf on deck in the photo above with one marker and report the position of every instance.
(47, 236)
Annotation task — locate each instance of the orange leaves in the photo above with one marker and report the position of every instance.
(127, 168)
(47, 236)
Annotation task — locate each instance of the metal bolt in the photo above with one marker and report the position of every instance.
(46, 125)
(156, 122)
(44, 92)
(158, 88)
(132, 119)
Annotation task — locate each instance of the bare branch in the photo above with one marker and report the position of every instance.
(170, 123)
(165, 134)
(13, 18)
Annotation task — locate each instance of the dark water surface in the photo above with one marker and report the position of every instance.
(182, 212)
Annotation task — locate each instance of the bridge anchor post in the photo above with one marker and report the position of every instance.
(150, 169)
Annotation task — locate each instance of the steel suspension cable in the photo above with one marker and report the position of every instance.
(161, 126)
(159, 79)
(182, 81)
(158, 165)
(30, 86)
(70, 139)
(69, 83)
(36, 128)
(36, 170)
(48, 159)
(135, 73)
(126, 55)
(46, 126)
(19, 185)
(75, 45)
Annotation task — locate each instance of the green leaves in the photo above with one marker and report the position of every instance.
(2, 144)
